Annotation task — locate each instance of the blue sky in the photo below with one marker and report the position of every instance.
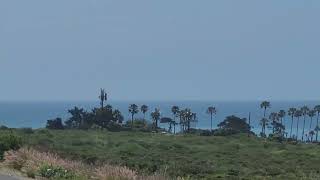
(159, 50)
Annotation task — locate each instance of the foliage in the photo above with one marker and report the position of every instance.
(55, 172)
(8, 141)
(234, 124)
(200, 157)
(55, 124)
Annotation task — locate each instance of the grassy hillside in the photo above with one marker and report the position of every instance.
(187, 156)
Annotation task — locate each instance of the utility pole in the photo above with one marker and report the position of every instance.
(103, 97)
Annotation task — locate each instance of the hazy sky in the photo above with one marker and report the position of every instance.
(159, 49)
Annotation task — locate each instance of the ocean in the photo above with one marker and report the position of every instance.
(36, 114)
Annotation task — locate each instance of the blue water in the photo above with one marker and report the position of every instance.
(35, 114)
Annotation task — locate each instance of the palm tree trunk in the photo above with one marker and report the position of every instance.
(317, 126)
(211, 122)
(310, 123)
(297, 128)
(291, 127)
(304, 123)
(132, 120)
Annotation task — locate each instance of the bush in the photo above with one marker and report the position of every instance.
(9, 142)
(54, 172)
(26, 130)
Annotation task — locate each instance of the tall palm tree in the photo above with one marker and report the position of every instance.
(305, 111)
(282, 114)
(212, 111)
(311, 134)
(133, 109)
(118, 116)
(274, 117)
(155, 115)
(291, 112)
(311, 114)
(264, 123)
(317, 109)
(175, 111)
(264, 105)
(144, 109)
(297, 114)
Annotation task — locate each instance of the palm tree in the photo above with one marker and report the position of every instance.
(282, 114)
(133, 109)
(305, 111)
(317, 109)
(311, 134)
(212, 111)
(175, 111)
(274, 117)
(155, 115)
(118, 116)
(291, 112)
(298, 114)
(144, 109)
(311, 114)
(317, 129)
(264, 105)
(264, 123)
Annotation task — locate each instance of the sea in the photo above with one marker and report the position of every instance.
(36, 114)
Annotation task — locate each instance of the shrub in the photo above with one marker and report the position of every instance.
(9, 142)
(54, 124)
(50, 171)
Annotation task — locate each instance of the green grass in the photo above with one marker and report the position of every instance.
(198, 157)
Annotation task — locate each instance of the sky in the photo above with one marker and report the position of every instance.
(151, 50)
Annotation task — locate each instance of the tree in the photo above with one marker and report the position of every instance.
(317, 109)
(282, 114)
(264, 123)
(311, 114)
(235, 124)
(175, 112)
(54, 124)
(311, 134)
(133, 109)
(155, 115)
(144, 109)
(167, 120)
(297, 114)
(118, 116)
(274, 118)
(317, 129)
(291, 112)
(212, 111)
(77, 118)
(305, 111)
(264, 105)
(103, 97)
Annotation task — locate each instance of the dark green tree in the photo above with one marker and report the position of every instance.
(144, 109)
(317, 109)
(297, 114)
(155, 115)
(212, 111)
(235, 124)
(305, 111)
(54, 124)
(265, 105)
(291, 112)
(133, 109)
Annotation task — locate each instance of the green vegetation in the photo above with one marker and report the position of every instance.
(8, 141)
(198, 157)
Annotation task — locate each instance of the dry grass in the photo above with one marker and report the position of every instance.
(30, 160)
